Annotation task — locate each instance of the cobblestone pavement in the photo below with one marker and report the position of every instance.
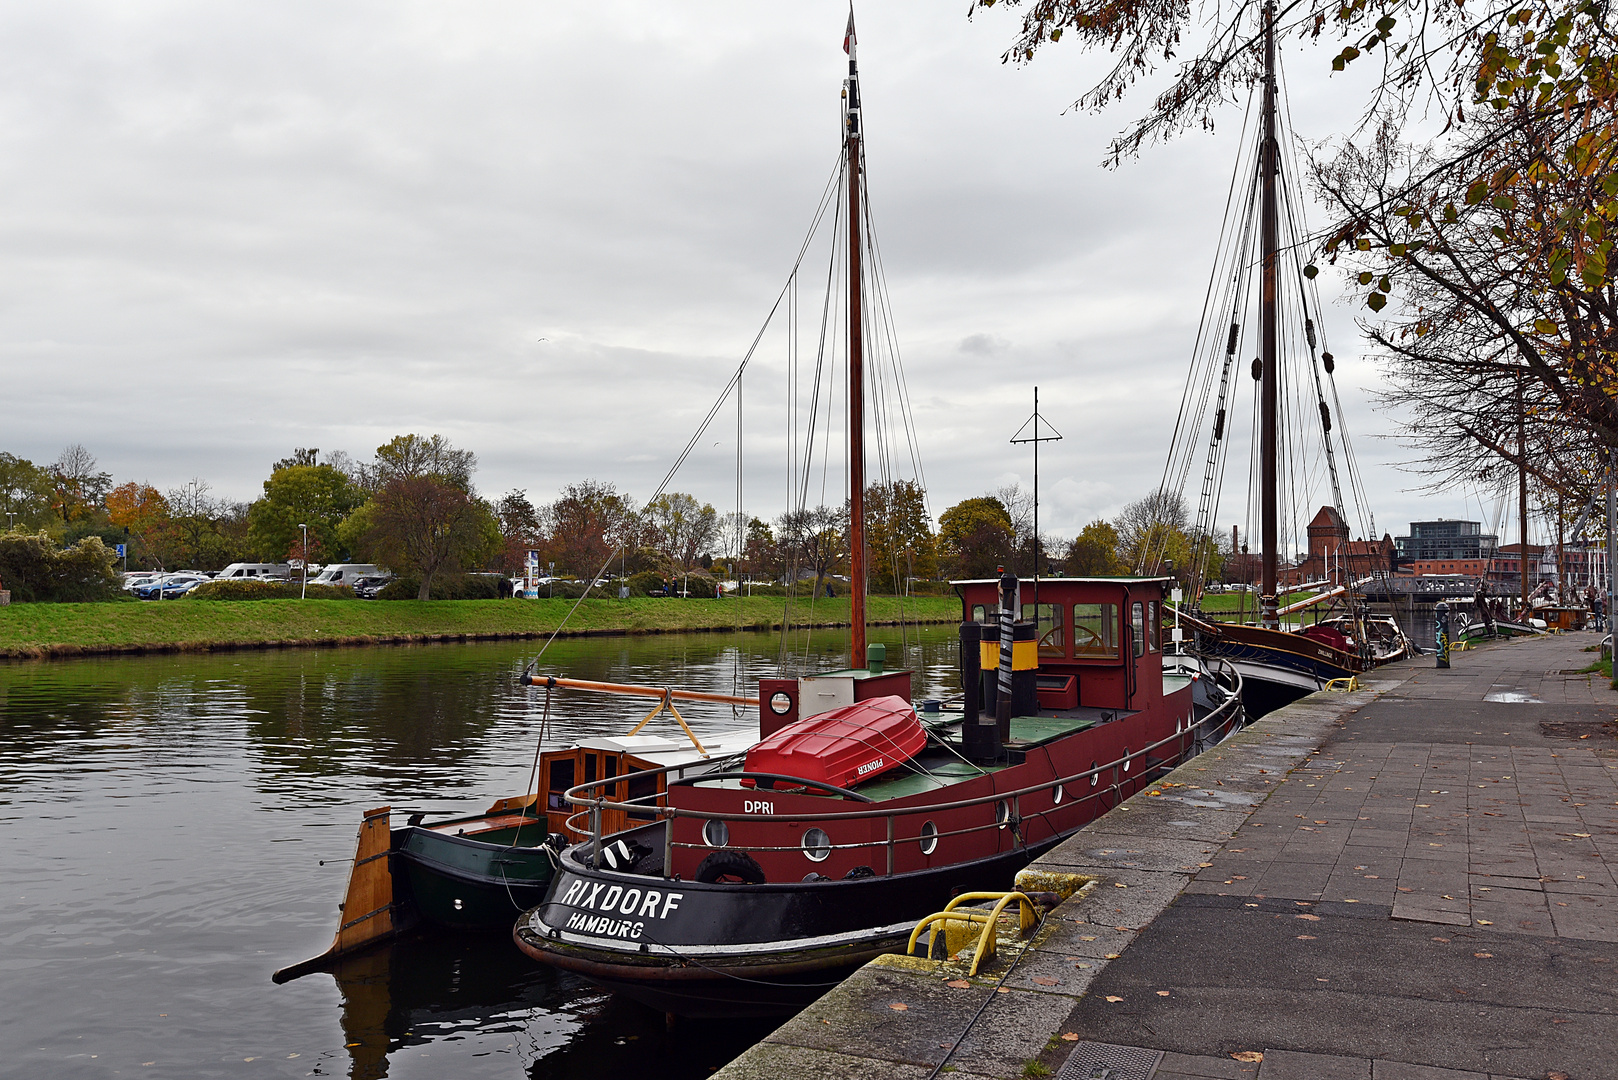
(1440, 869)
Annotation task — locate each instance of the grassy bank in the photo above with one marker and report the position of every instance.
(34, 630)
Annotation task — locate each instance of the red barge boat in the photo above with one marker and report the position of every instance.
(754, 890)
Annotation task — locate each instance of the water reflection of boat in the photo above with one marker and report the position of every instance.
(751, 891)
(403, 999)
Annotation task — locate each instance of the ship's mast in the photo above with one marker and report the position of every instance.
(1269, 383)
(856, 366)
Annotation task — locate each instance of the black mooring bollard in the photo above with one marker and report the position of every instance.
(1441, 627)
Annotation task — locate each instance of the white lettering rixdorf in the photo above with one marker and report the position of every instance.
(633, 902)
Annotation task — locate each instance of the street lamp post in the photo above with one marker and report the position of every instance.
(303, 590)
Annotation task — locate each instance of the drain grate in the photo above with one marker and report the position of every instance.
(1104, 1061)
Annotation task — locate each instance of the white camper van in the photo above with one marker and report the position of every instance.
(243, 570)
(344, 573)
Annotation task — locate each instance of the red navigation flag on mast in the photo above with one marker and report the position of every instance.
(848, 35)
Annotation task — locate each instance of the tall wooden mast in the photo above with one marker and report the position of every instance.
(856, 367)
(1270, 377)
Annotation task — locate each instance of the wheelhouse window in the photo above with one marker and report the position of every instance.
(1052, 637)
(1154, 627)
(1137, 625)
(1095, 630)
(980, 614)
(561, 780)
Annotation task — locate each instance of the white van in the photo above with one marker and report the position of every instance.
(243, 570)
(344, 573)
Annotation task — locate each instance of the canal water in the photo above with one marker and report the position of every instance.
(176, 828)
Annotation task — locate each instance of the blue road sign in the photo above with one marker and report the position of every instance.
(122, 550)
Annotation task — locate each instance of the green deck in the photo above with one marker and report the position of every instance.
(944, 769)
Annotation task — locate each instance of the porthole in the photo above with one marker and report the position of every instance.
(1095, 777)
(816, 845)
(929, 838)
(1058, 793)
(715, 833)
(780, 703)
(1002, 813)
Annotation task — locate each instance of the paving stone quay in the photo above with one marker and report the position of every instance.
(1414, 881)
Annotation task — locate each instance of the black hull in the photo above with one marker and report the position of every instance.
(785, 945)
(456, 883)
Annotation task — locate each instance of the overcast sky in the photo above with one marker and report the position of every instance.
(228, 230)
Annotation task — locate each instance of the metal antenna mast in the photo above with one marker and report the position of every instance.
(1036, 438)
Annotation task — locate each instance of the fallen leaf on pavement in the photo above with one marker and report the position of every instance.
(1485, 922)
(1311, 918)
(959, 984)
(1114, 997)
(1087, 937)
(1162, 993)
(1248, 1055)
(1484, 955)
(1070, 1036)
(1306, 937)
(1044, 980)
(1556, 1076)
(1445, 940)
(897, 1006)
(1002, 990)
(1112, 956)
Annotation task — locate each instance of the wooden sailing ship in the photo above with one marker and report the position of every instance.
(1278, 663)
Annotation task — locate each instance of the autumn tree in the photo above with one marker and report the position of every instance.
(1493, 235)
(898, 535)
(143, 512)
(761, 552)
(1502, 349)
(976, 537)
(681, 529)
(318, 496)
(26, 494)
(199, 531)
(77, 485)
(520, 528)
(813, 539)
(589, 522)
(1094, 552)
(425, 526)
(409, 457)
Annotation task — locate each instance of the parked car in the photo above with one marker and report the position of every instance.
(243, 570)
(169, 586)
(344, 573)
(366, 588)
(134, 579)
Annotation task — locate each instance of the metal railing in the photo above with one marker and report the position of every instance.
(1007, 815)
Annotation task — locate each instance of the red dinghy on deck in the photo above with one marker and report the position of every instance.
(844, 746)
